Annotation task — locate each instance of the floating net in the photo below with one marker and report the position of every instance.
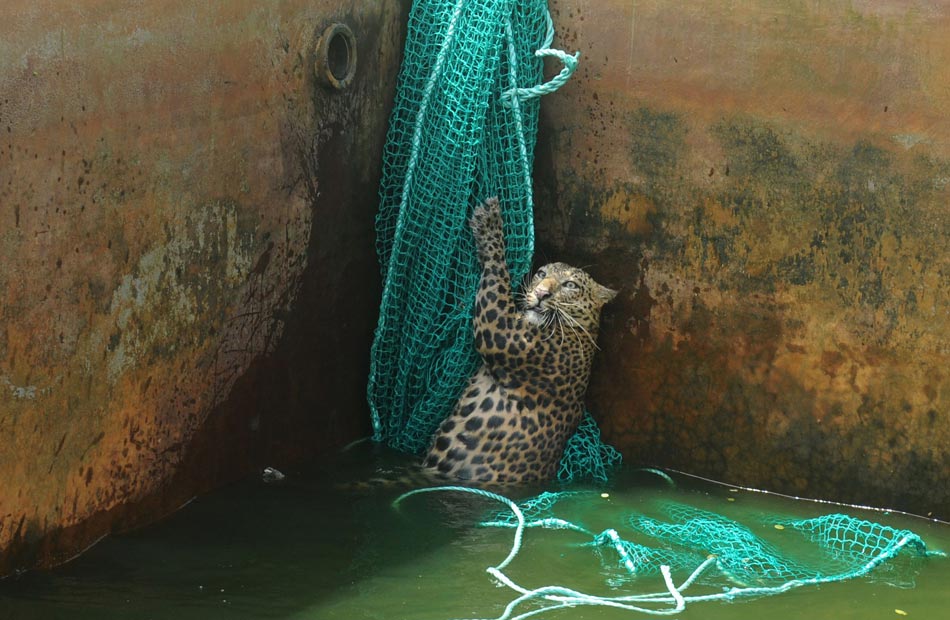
(462, 129)
(698, 550)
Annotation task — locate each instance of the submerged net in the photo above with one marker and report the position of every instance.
(462, 129)
(693, 549)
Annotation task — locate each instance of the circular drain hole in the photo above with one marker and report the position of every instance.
(336, 56)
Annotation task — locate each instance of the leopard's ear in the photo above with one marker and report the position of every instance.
(605, 294)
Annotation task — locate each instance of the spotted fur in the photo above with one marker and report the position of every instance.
(524, 402)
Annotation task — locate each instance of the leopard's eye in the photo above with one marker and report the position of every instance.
(541, 273)
(571, 285)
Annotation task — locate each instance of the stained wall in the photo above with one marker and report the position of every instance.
(769, 184)
(187, 272)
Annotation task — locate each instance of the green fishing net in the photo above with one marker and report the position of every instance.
(462, 129)
(843, 544)
(682, 537)
(678, 555)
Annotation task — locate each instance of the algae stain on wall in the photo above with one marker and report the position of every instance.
(156, 308)
(784, 320)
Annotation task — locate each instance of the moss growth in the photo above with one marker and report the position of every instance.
(658, 139)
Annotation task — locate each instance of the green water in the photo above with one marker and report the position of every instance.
(304, 549)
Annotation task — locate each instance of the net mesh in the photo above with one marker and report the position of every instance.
(688, 546)
(686, 536)
(741, 555)
(843, 547)
(462, 129)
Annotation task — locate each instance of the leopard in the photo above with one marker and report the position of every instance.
(512, 421)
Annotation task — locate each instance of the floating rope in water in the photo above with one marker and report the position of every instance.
(862, 545)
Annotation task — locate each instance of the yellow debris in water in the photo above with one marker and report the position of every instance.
(779, 526)
(900, 612)
(605, 495)
(730, 499)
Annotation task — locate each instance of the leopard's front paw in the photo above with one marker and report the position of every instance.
(486, 221)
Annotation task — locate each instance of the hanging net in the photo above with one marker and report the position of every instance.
(712, 556)
(462, 129)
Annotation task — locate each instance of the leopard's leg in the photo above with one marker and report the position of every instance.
(501, 336)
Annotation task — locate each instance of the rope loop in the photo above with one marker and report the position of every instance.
(523, 94)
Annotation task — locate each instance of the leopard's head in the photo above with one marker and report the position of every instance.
(559, 296)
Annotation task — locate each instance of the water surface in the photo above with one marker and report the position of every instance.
(305, 549)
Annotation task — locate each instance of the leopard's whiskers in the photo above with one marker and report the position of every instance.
(574, 323)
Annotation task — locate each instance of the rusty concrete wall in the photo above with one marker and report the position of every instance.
(769, 182)
(187, 276)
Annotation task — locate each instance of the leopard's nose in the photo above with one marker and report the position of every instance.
(541, 293)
